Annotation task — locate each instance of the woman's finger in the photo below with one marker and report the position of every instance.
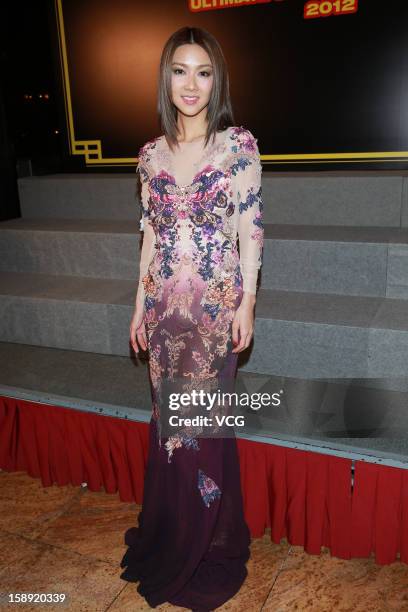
(135, 346)
(241, 344)
(132, 336)
(235, 328)
(141, 337)
(133, 340)
(245, 341)
(248, 340)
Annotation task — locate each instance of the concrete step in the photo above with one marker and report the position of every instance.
(370, 261)
(105, 248)
(376, 198)
(297, 334)
(354, 198)
(80, 196)
(343, 418)
(366, 261)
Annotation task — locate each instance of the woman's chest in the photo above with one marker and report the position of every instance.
(210, 192)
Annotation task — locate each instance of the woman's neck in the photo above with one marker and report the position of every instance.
(192, 132)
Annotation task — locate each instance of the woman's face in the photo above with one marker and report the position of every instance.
(191, 79)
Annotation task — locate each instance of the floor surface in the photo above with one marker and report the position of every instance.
(70, 540)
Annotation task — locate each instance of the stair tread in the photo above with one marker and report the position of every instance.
(323, 233)
(293, 306)
(337, 233)
(98, 226)
(68, 288)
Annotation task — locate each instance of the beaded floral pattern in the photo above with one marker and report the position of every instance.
(205, 250)
(208, 488)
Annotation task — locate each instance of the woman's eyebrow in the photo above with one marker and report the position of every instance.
(198, 65)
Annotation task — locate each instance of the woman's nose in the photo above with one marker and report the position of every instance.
(191, 82)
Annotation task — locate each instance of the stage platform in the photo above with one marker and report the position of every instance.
(328, 466)
(118, 387)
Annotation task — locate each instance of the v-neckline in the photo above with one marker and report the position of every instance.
(207, 154)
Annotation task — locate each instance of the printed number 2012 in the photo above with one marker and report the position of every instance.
(327, 8)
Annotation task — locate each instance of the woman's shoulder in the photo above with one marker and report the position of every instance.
(243, 141)
(148, 150)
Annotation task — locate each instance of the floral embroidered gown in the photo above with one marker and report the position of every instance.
(192, 543)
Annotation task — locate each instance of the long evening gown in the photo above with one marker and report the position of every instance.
(192, 542)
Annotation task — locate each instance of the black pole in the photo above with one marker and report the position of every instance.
(9, 201)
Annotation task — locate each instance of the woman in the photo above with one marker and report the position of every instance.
(201, 189)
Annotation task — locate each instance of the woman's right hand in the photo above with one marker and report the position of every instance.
(138, 330)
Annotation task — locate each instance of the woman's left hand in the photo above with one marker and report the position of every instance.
(243, 323)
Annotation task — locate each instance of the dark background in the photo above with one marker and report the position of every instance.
(336, 84)
(32, 130)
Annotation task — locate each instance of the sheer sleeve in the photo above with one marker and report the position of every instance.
(149, 236)
(250, 219)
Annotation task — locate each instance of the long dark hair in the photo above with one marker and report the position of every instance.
(219, 109)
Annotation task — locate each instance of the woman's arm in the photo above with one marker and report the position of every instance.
(250, 220)
(251, 236)
(149, 236)
(138, 338)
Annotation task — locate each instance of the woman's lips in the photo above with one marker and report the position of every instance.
(190, 99)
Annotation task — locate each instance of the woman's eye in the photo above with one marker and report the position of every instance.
(203, 72)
